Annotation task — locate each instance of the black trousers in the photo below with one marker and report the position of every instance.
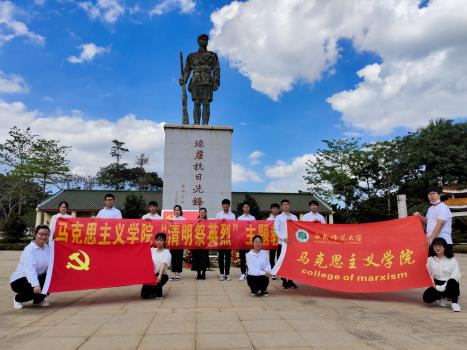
(224, 261)
(272, 257)
(257, 283)
(452, 292)
(151, 291)
(285, 281)
(177, 260)
(243, 260)
(25, 291)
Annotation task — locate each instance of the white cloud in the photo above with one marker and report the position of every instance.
(88, 53)
(11, 28)
(90, 138)
(255, 157)
(12, 84)
(242, 174)
(105, 10)
(164, 6)
(39, 2)
(288, 176)
(421, 73)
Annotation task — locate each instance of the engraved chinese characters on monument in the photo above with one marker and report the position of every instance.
(203, 67)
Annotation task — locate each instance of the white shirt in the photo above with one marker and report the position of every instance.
(314, 217)
(272, 217)
(443, 269)
(258, 263)
(112, 213)
(152, 217)
(246, 217)
(176, 218)
(53, 222)
(33, 262)
(227, 216)
(280, 225)
(161, 257)
(439, 212)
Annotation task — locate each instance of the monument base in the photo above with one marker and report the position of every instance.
(197, 166)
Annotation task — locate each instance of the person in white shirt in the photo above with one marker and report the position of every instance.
(177, 254)
(313, 215)
(200, 257)
(246, 217)
(280, 228)
(438, 219)
(109, 212)
(272, 252)
(445, 273)
(225, 255)
(62, 213)
(29, 277)
(152, 212)
(259, 268)
(161, 258)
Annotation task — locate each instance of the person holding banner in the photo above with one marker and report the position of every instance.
(29, 278)
(445, 272)
(438, 218)
(177, 254)
(152, 212)
(200, 257)
(280, 228)
(225, 255)
(161, 258)
(272, 252)
(62, 213)
(259, 268)
(246, 217)
(313, 215)
(109, 212)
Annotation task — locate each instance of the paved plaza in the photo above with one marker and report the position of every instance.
(222, 315)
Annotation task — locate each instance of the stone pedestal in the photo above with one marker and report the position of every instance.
(197, 167)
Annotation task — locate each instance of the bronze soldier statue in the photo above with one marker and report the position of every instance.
(205, 79)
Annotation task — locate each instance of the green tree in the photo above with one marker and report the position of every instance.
(134, 207)
(254, 207)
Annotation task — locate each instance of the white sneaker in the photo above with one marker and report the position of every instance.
(221, 278)
(242, 277)
(227, 278)
(16, 304)
(442, 302)
(456, 307)
(43, 303)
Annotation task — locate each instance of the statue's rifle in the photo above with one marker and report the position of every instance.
(184, 101)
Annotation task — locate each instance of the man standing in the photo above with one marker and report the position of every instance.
(152, 212)
(438, 218)
(280, 227)
(206, 78)
(246, 217)
(109, 212)
(313, 215)
(225, 254)
(272, 252)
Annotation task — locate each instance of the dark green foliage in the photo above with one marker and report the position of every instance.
(134, 207)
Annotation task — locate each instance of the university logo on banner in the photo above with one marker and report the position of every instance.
(361, 258)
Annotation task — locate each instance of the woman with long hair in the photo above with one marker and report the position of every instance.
(200, 257)
(177, 254)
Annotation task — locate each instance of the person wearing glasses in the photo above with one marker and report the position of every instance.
(29, 278)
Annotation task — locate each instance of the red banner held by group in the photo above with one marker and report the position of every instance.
(182, 234)
(360, 258)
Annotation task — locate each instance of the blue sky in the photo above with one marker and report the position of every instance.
(292, 73)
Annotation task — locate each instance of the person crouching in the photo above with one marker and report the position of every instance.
(259, 268)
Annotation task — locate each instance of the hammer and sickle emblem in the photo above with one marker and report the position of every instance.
(81, 265)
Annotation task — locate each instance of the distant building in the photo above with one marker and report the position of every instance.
(457, 200)
(87, 203)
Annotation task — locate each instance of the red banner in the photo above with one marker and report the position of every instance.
(360, 258)
(83, 266)
(186, 234)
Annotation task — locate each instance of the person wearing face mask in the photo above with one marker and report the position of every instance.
(29, 277)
